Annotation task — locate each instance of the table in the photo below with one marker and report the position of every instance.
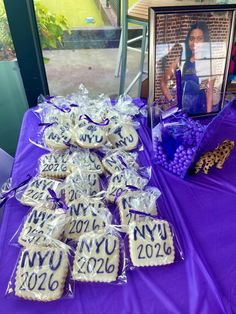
(203, 210)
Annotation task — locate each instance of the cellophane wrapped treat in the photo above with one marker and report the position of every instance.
(36, 190)
(82, 182)
(42, 274)
(118, 160)
(85, 159)
(100, 257)
(151, 243)
(86, 214)
(121, 179)
(89, 181)
(54, 165)
(137, 200)
(43, 224)
(123, 135)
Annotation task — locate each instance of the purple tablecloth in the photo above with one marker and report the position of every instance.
(203, 210)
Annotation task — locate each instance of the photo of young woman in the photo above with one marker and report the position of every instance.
(197, 77)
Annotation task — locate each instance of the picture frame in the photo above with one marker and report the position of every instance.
(189, 57)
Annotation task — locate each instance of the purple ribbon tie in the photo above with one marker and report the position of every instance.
(130, 188)
(47, 98)
(67, 143)
(86, 117)
(60, 202)
(137, 212)
(62, 109)
(7, 195)
(47, 124)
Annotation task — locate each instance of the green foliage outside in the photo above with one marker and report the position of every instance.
(76, 11)
(6, 45)
(51, 28)
(54, 17)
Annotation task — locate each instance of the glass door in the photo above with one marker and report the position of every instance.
(13, 102)
(80, 41)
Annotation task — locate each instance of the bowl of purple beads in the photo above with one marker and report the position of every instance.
(177, 142)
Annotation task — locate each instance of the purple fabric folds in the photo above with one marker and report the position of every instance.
(202, 209)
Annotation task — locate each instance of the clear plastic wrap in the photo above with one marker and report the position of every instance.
(86, 214)
(85, 159)
(82, 182)
(42, 274)
(120, 180)
(43, 225)
(143, 201)
(95, 108)
(54, 164)
(100, 257)
(117, 160)
(36, 190)
(175, 141)
(125, 105)
(57, 136)
(7, 191)
(55, 109)
(54, 136)
(53, 115)
(90, 134)
(115, 118)
(153, 242)
(124, 136)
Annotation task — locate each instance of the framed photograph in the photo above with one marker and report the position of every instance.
(189, 56)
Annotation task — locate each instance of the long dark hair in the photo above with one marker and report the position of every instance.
(198, 25)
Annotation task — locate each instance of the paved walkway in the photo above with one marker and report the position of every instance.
(94, 68)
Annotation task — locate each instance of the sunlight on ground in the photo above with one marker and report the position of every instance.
(76, 11)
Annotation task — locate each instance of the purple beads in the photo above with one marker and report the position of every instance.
(192, 132)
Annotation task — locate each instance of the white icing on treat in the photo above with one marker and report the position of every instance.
(96, 258)
(75, 113)
(114, 119)
(54, 165)
(55, 115)
(124, 136)
(57, 136)
(84, 159)
(90, 136)
(41, 273)
(42, 227)
(37, 191)
(81, 183)
(141, 201)
(119, 181)
(85, 215)
(112, 163)
(151, 243)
